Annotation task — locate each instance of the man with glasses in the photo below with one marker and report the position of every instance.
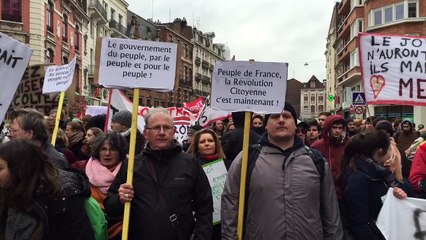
(170, 195)
(30, 124)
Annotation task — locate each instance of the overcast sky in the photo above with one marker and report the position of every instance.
(292, 31)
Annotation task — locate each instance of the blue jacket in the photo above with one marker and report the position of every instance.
(362, 191)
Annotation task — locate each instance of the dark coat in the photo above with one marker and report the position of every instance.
(185, 188)
(363, 190)
(56, 157)
(64, 217)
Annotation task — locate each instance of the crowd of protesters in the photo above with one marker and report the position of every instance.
(323, 178)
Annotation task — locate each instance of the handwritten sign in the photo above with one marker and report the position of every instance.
(59, 78)
(402, 219)
(249, 86)
(136, 64)
(14, 58)
(29, 92)
(393, 69)
(216, 173)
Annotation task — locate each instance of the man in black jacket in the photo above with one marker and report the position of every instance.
(232, 141)
(171, 197)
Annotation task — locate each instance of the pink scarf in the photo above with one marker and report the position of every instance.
(99, 176)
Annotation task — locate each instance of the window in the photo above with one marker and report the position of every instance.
(11, 10)
(312, 98)
(65, 28)
(92, 28)
(377, 17)
(388, 14)
(50, 55)
(412, 9)
(305, 97)
(120, 19)
(112, 14)
(65, 60)
(320, 108)
(77, 38)
(357, 27)
(399, 11)
(49, 16)
(320, 98)
(313, 109)
(354, 61)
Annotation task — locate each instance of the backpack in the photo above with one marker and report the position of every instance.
(97, 218)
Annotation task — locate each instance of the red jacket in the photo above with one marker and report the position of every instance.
(418, 168)
(331, 148)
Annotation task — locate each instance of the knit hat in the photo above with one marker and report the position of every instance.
(385, 125)
(123, 117)
(287, 107)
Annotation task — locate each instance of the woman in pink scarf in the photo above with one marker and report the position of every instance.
(108, 152)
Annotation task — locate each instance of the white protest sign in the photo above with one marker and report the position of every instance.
(216, 173)
(209, 115)
(249, 86)
(393, 69)
(58, 78)
(137, 64)
(14, 58)
(402, 218)
(96, 110)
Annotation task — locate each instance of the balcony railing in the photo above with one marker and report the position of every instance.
(95, 4)
(197, 61)
(198, 77)
(117, 26)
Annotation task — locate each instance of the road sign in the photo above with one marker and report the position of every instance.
(359, 109)
(358, 99)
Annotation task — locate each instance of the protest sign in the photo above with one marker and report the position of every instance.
(182, 117)
(402, 219)
(209, 115)
(136, 64)
(29, 92)
(14, 58)
(216, 174)
(59, 78)
(196, 105)
(249, 86)
(96, 110)
(393, 69)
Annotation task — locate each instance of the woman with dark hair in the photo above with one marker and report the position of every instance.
(365, 181)
(91, 134)
(206, 148)
(109, 151)
(218, 127)
(40, 200)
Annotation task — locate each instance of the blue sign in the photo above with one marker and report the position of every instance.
(358, 99)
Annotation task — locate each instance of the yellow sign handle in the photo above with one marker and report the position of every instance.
(129, 180)
(243, 189)
(58, 118)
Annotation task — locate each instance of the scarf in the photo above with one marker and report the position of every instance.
(209, 158)
(75, 138)
(387, 175)
(100, 176)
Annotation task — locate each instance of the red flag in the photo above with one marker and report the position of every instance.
(196, 105)
(96, 93)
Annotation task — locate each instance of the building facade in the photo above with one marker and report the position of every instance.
(399, 17)
(312, 98)
(292, 94)
(330, 55)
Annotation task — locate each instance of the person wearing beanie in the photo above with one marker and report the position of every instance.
(407, 136)
(284, 183)
(332, 145)
(121, 122)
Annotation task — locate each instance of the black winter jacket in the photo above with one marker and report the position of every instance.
(185, 188)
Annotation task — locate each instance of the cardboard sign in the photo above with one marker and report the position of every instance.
(29, 92)
(14, 58)
(249, 86)
(59, 78)
(216, 173)
(402, 219)
(136, 64)
(393, 69)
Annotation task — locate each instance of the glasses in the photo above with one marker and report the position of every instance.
(157, 129)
